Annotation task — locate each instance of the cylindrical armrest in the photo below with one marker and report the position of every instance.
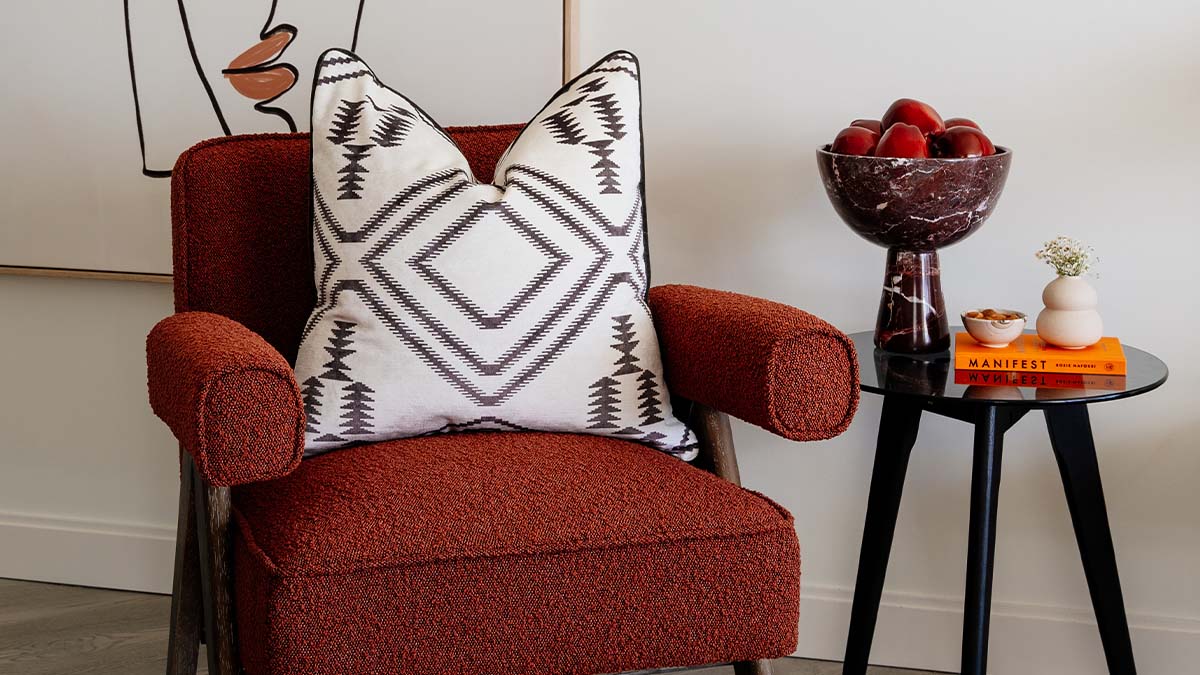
(761, 361)
(229, 397)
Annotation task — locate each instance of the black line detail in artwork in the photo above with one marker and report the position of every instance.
(357, 25)
(212, 97)
(264, 106)
(137, 104)
(266, 32)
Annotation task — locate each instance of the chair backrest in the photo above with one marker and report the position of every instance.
(242, 233)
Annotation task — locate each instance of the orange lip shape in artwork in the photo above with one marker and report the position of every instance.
(254, 75)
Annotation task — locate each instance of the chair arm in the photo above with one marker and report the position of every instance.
(229, 397)
(761, 361)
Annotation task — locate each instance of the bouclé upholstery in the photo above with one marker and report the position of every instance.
(228, 396)
(764, 362)
(504, 552)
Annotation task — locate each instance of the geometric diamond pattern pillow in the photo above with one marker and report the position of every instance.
(447, 304)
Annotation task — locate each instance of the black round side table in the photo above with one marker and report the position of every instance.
(992, 402)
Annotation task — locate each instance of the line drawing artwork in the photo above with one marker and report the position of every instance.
(193, 77)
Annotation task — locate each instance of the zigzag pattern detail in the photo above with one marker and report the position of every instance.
(337, 60)
(617, 69)
(610, 114)
(338, 350)
(351, 180)
(649, 408)
(607, 168)
(392, 128)
(345, 122)
(604, 412)
(623, 334)
(356, 421)
(564, 127)
(311, 396)
(330, 79)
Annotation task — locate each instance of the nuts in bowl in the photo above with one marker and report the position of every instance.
(994, 327)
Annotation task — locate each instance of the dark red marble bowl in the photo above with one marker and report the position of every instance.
(913, 204)
(913, 207)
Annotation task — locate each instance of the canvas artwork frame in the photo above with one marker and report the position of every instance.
(264, 76)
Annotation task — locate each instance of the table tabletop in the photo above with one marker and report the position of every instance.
(933, 376)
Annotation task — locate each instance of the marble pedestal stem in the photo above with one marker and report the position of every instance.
(912, 312)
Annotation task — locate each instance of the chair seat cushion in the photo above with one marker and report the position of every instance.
(508, 553)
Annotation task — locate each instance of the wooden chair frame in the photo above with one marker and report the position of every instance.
(202, 592)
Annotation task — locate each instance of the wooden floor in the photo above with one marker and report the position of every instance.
(46, 629)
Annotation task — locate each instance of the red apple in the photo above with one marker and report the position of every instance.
(902, 140)
(961, 142)
(873, 125)
(961, 122)
(911, 111)
(854, 141)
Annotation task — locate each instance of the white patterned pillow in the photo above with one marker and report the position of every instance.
(446, 304)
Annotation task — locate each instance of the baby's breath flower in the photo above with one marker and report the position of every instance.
(1069, 257)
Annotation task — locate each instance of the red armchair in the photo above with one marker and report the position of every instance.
(474, 553)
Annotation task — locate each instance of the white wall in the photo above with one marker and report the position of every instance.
(88, 476)
(1099, 101)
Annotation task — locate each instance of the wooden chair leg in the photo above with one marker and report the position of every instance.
(183, 644)
(716, 443)
(212, 535)
(759, 667)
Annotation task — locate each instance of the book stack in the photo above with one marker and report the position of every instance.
(1030, 362)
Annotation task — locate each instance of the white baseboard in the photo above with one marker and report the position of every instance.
(914, 631)
(86, 552)
(925, 631)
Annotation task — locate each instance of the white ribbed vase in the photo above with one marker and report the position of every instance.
(1070, 319)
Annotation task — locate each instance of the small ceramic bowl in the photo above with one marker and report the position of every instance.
(994, 333)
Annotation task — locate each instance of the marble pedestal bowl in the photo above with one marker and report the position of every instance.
(913, 207)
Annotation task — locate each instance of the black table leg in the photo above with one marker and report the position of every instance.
(897, 433)
(1071, 438)
(981, 540)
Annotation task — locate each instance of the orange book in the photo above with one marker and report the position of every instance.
(999, 378)
(1030, 354)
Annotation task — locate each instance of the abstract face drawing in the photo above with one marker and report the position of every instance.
(203, 69)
